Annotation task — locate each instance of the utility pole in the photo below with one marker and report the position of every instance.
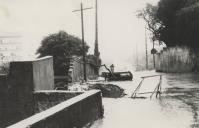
(153, 54)
(137, 55)
(83, 43)
(96, 50)
(146, 49)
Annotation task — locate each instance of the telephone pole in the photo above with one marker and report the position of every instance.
(153, 55)
(96, 50)
(137, 55)
(83, 43)
(146, 49)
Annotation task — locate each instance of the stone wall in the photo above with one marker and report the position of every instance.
(73, 113)
(46, 99)
(43, 74)
(176, 60)
(76, 70)
(3, 98)
(37, 73)
(28, 89)
(18, 89)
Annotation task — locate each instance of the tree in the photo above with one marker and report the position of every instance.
(187, 26)
(149, 15)
(166, 13)
(94, 60)
(61, 46)
(174, 22)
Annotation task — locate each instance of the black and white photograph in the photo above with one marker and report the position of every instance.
(99, 63)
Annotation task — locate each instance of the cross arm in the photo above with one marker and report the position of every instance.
(82, 9)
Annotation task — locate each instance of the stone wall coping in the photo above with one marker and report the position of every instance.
(57, 91)
(43, 58)
(53, 110)
(34, 60)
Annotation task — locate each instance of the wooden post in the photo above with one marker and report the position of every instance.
(83, 43)
(96, 49)
(153, 56)
(146, 49)
(84, 55)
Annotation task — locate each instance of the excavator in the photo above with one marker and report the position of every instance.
(116, 76)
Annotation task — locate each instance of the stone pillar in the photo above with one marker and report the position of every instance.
(24, 78)
(3, 99)
(20, 93)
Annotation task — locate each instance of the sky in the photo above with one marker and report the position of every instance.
(119, 28)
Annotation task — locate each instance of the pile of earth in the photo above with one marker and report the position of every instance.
(109, 90)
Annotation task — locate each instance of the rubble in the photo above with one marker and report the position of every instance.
(108, 90)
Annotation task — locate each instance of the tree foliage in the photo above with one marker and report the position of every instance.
(175, 22)
(94, 60)
(61, 46)
(149, 15)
